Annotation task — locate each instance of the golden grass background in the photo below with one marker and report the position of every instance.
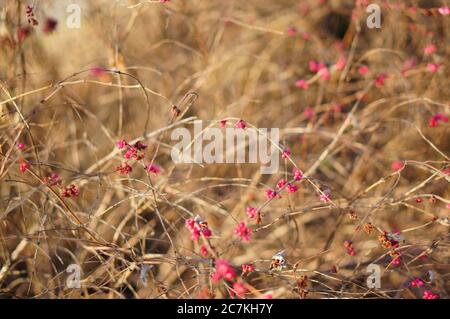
(215, 60)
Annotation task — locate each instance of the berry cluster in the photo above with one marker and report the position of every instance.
(135, 152)
(198, 227)
(224, 270)
(70, 191)
(350, 249)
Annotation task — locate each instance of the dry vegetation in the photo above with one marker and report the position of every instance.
(373, 135)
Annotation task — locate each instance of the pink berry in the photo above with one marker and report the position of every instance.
(243, 231)
(124, 168)
(24, 166)
(417, 282)
(428, 294)
(433, 67)
(153, 169)
(379, 81)
(292, 188)
(363, 69)
(223, 270)
(96, 71)
(302, 84)
(204, 251)
(308, 113)
(240, 289)
(444, 11)
(341, 62)
(292, 31)
(281, 183)
(435, 119)
(324, 73)
(241, 124)
(397, 165)
(286, 153)
(121, 144)
(297, 174)
(248, 268)
(325, 197)
(270, 194)
(429, 49)
(251, 212)
(314, 66)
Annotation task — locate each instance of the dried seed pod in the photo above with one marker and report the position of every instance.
(352, 215)
(368, 228)
(432, 199)
(385, 242)
(278, 261)
(445, 221)
(175, 110)
(302, 286)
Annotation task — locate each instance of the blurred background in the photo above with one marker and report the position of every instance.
(364, 112)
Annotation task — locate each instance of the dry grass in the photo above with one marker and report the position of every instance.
(214, 60)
